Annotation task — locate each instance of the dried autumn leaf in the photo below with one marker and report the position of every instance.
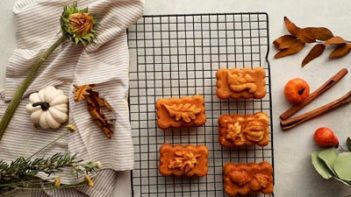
(306, 35)
(315, 52)
(320, 33)
(340, 51)
(104, 103)
(337, 40)
(95, 104)
(81, 92)
(100, 119)
(291, 27)
(187, 111)
(100, 101)
(97, 115)
(107, 130)
(284, 42)
(295, 48)
(288, 46)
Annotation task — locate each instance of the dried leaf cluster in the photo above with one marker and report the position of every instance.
(95, 105)
(322, 37)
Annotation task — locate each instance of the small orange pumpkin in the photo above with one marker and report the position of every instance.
(296, 90)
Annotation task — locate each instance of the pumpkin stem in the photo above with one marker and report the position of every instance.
(300, 92)
(44, 105)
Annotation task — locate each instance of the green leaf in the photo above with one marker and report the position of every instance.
(348, 143)
(320, 166)
(85, 10)
(76, 40)
(342, 181)
(342, 166)
(328, 156)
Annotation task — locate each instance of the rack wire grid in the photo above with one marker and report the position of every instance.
(178, 55)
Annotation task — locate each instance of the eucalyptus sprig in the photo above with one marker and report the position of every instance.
(334, 163)
(78, 26)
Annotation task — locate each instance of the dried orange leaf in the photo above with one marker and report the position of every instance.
(107, 130)
(290, 26)
(340, 51)
(102, 122)
(96, 115)
(81, 92)
(295, 48)
(320, 33)
(104, 103)
(315, 52)
(95, 105)
(101, 102)
(337, 40)
(284, 42)
(306, 35)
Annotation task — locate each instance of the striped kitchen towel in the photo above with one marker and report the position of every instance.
(104, 63)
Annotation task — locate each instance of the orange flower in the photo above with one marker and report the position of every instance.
(89, 181)
(81, 24)
(78, 25)
(57, 182)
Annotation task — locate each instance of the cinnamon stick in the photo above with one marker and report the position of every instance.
(292, 122)
(326, 86)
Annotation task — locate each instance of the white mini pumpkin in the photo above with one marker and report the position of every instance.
(48, 108)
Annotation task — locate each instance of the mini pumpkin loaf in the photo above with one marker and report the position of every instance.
(183, 160)
(241, 83)
(244, 179)
(243, 130)
(180, 112)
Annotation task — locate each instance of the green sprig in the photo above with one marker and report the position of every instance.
(22, 167)
(21, 173)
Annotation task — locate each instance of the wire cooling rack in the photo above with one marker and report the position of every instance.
(178, 55)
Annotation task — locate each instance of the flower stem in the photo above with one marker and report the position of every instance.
(57, 139)
(16, 100)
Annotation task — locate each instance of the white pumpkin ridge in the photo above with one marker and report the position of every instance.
(48, 107)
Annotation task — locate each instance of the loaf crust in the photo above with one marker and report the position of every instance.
(244, 179)
(180, 112)
(183, 160)
(243, 130)
(241, 83)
